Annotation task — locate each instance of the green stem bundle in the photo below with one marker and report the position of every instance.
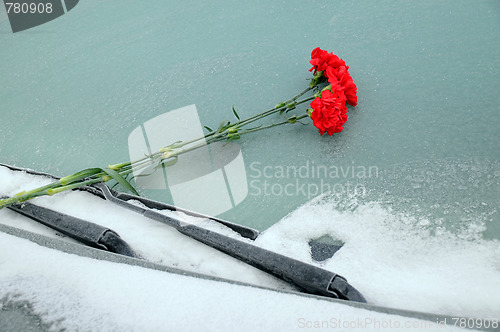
(227, 131)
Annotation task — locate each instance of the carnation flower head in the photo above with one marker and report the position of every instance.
(329, 110)
(321, 59)
(340, 76)
(336, 71)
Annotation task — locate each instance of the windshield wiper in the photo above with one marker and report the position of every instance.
(81, 230)
(307, 277)
(311, 279)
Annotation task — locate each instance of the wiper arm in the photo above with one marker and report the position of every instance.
(308, 277)
(81, 230)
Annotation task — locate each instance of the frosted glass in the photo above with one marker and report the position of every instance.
(427, 121)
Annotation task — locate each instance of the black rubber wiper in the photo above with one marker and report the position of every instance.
(81, 230)
(310, 278)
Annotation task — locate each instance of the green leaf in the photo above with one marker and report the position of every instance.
(223, 126)
(121, 180)
(79, 175)
(208, 128)
(118, 166)
(236, 113)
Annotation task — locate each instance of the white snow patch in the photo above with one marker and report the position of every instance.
(82, 294)
(394, 260)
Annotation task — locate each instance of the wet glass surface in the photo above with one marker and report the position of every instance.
(422, 140)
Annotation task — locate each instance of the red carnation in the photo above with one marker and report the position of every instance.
(342, 77)
(321, 59)
(350, 89)
(329, 111)
(336, 71)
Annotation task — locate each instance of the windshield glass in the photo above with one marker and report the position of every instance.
(414, 172)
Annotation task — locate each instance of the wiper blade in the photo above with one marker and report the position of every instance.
(86, 232)
(307, 277)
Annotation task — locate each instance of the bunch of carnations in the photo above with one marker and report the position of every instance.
(329, 110)
(333, 87)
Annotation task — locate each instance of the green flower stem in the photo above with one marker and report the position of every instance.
(119, 166)
(274, 109)
(21, 198)
(215, 136)
(273, 125)
(75, 185)
(48, 186)
(142, 163)
(229, 132)
(79, 175)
